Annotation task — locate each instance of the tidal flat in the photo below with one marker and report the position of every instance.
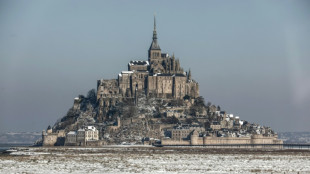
(148, 159)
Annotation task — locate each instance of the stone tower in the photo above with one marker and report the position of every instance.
(154, 50)
(194, 138)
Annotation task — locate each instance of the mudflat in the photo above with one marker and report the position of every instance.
(148, 159)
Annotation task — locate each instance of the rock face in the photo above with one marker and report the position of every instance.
(149, 102)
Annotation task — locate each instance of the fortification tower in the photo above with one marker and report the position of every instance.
(194, 138)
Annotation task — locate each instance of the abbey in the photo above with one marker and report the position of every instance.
(154, 101)
(161, 76)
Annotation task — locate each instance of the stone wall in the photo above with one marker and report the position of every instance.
(260, 139)
(208, 140)
(173, 142)
(227, 140)
(94, 143)
(107, 88)
(50, 139)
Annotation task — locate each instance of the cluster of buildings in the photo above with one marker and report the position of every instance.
(229, 130)
(160, 77)
(86, 136)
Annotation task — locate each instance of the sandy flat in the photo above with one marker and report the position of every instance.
(139, 159)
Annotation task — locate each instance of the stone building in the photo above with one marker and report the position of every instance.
(71, 138)
(82, 137)
(183, 133)
(50, 138)
(160, 76)
(216, 125)
(91, 133)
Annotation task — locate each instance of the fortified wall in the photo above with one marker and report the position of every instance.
(195, 139)
(51, 138)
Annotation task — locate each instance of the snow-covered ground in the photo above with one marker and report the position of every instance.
(129, 159)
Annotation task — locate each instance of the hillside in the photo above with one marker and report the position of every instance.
(155, 100)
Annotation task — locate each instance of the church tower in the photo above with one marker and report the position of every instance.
(154, 50)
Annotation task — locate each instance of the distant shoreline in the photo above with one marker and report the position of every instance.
(6, 146)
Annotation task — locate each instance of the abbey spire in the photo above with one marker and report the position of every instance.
(154, 45)
(154, 50)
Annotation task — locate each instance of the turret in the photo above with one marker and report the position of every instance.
(49, 130)
(189, 76)
(194, 138)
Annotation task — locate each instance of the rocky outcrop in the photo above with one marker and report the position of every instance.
(151, 99)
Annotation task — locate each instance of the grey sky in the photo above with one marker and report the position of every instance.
(249, 57)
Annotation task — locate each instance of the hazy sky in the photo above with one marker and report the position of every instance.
(249, 57)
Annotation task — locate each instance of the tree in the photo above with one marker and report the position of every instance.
(176, 102)
(132, 111)
(218, 108)
(91, 96)
(170, 120)
(198, 107)
(71, 113)
(200, 101)
(186, 97)
(207, 125)
(189, 120)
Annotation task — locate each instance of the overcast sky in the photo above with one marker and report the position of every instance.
(249, 57)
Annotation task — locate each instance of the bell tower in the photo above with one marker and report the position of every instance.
(154, 52)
